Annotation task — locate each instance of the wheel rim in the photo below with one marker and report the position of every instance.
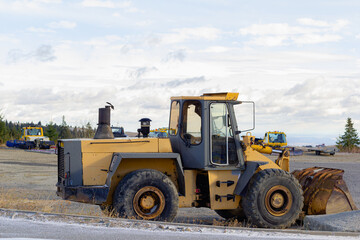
(149, 202)
(278, 200)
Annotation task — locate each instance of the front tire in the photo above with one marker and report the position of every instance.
(274, 199)
(146, 194)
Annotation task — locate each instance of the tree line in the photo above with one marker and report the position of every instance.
(348, 142)
(12, 130)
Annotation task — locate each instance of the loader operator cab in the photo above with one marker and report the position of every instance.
(275, 139)
(204, 131)
(33, 132)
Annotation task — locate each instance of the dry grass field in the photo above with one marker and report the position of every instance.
(27, 182)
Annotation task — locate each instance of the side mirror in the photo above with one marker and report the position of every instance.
(253, 115)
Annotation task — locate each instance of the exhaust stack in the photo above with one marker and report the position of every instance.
(104, 130)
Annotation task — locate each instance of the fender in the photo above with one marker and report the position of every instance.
(245, 177)
(118, 157)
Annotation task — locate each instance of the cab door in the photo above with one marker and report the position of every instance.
(192, 144)
(222, 141)
(185, 132)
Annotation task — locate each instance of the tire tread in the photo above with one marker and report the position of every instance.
(249, 202)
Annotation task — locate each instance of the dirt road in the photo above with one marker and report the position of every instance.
(27, 181)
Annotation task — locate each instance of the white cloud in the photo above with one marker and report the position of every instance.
(140, 72)
(62, 24)
(307, 105)
(184, 34)
(98, 3)
(316, 38)
(178, 82)
(270, 41)
(27, 6)
(127, 5)
(8, 38)
(144, 23)
(340, 24)
(178, 55)
(39, 30)
(48, 1)
(103, 41)
(358, 36)
(44, 53)
(275, 29)
(280, 34)
(53, 25)
(216, 49)
(312, 22)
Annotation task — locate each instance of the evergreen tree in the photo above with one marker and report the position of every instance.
(3, 130)
(51, 132)
(75, 132)
(350, 138)
(89, 131)
(64, 130)
(14, 130)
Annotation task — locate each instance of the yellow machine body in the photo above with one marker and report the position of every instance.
(98, 154)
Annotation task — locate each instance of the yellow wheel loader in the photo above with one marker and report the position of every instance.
(31, 137)
(274, 139)
(203, 163)
(277, 140)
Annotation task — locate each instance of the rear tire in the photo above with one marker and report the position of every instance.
(274, 199)
(146, 194)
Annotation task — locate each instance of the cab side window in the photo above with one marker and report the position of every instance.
(174, 118)
(222, 140)
(191, 122)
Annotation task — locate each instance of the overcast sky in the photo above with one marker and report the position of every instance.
(298, 60)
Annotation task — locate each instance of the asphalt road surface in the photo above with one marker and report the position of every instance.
(28, 229)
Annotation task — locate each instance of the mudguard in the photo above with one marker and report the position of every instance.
(117, 158)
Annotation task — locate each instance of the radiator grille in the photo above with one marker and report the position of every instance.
(61, 172)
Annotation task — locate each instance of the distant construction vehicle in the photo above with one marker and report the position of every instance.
(274, 139)
(323, 150)
(31, 137)
(159, 132)
(203, 163)
(118, 132)
(277, 140)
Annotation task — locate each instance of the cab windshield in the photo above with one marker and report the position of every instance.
(276, 138)
(33, 132)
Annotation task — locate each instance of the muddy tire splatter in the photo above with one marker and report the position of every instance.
(237, 214)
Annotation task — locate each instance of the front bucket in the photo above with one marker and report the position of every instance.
(325, 191)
